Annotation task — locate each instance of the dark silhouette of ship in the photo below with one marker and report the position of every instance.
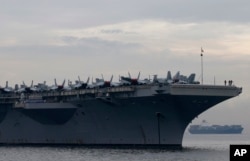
(153, 114)
(215, 129)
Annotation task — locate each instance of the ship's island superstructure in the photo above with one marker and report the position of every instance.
(153, 113)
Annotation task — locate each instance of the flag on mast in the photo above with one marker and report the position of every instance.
(202, 51)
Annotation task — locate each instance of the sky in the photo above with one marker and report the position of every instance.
(62, 39)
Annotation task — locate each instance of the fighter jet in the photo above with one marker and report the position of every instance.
(7, 89)
(80, 84)
(101, 83)
(167, 80)
(187, 80)
(26, 89)
(132, 81)
(56, 87)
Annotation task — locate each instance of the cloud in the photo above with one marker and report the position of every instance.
(138, 43)
(113, 31)
(36, 22)
(89, 13)
(178, 37)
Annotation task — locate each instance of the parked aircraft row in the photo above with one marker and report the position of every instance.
(100, 83)
(177, 78)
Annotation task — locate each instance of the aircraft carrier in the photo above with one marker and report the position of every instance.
(152, 114)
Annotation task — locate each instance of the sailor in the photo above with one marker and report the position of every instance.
(230, 82)
(225, 82)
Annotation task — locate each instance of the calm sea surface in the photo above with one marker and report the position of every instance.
(196, 148)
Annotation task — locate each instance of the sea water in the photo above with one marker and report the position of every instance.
(195, 148)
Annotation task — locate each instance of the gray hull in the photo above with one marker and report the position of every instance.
(138, 120)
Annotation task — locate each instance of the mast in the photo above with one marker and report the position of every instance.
(202, 51)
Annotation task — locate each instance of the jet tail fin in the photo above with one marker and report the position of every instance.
(55, 82)
(129, 75)
(24, 84)
(169, 77)
(63, 83)
(111, 78)
(31, 84)
(155, 78)
(177, 75)
(138, 76)
(87, 81)
(191, 78)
